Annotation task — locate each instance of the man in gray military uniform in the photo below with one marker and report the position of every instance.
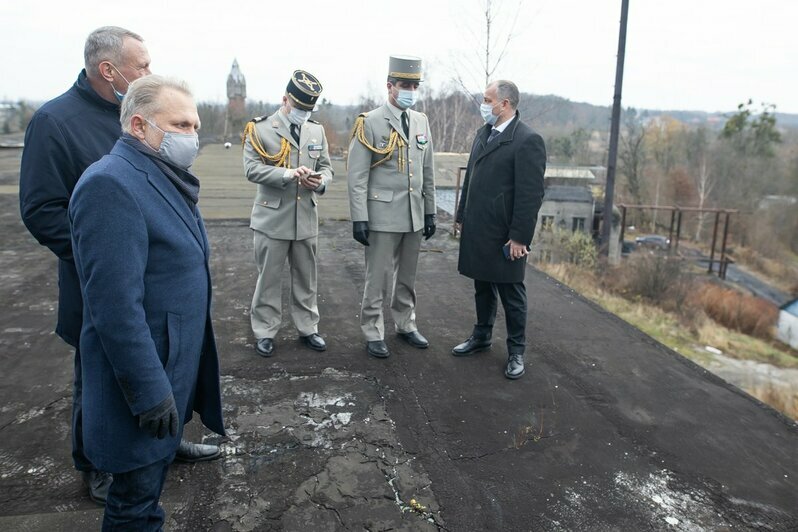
(286, 155)
(392, 202)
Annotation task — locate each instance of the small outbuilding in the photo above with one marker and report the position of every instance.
(787, 328)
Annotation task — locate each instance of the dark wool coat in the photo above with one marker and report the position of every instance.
(501, 196)
(64, 137)
(142, 257)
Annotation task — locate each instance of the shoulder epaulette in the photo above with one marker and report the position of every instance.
(313, 121)
(259, 119)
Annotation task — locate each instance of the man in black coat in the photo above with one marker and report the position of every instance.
(498, 209)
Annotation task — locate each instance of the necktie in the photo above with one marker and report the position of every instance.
(493, 134)
(295, 133)
(406, 124)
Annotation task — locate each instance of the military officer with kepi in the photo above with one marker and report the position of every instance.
(392, 202)
(286, 155)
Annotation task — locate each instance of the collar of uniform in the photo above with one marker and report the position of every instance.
(395, 111)
(504, 125)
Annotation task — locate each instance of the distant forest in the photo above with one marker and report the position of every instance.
(746, 159)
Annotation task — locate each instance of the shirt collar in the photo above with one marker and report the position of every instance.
(395, 110)
(504, 125)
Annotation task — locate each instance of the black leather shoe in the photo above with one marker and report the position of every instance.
(196, 452)
(98, 483)
(415, 339)
(471, 346)
(314, 341)
(265, 347)
(378, 349)
(515, 366)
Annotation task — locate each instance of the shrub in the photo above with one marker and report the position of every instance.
(560, 245)
(651, 276)
(747, 314)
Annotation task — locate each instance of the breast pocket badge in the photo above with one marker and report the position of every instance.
(314, 149)
(383, 143)
(421, 141)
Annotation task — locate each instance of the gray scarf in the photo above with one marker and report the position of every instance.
(186, 183)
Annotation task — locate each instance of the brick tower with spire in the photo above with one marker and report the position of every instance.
(236, 106)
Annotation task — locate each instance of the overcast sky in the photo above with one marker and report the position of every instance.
(681, 54)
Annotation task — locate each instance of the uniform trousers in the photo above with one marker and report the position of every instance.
(513, 296)
(266, 311)
(394, 255)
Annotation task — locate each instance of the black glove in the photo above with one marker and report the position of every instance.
(160, 419)
(360, 232)
(429, 226)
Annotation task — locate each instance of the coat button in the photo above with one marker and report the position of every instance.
(411, 189)
(411, 175)
(298, 198)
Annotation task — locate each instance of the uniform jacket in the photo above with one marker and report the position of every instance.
(283, 209)
(502, 193)
(388, 199)
(142, 257)
(63, 138)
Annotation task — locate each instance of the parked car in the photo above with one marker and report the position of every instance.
(653, 242)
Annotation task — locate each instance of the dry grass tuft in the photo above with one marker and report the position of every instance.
(744, 313)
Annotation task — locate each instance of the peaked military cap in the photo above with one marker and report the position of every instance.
(405, 68)
(304, 89)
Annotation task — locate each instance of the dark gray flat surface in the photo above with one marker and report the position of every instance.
(608, 430)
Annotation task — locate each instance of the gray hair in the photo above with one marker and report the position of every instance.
(142, 97)
(105, 44)
(507, 90)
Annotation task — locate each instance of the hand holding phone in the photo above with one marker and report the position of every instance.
(312, 181)
(506, 251)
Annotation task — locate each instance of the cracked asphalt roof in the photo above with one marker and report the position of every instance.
(608, 430)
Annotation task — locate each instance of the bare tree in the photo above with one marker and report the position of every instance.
(704, 185)
(491, 12)
(633, 154)
(497, 33)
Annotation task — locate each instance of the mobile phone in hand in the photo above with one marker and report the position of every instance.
(506, 250)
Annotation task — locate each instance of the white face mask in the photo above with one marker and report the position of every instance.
(486, 110)
(298, 116)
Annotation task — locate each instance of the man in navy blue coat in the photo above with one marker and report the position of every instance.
(64, 137)
(148, 352)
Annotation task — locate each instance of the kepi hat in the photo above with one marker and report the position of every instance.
(304, 90)
(405, 68)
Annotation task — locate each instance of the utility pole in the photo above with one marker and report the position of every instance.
(615, 127)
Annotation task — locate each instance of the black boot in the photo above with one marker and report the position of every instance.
(515, 366)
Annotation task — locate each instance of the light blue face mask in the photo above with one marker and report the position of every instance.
(119, 95)
(486, 110)
(406, 98)
(298, 116)
(180, 149)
